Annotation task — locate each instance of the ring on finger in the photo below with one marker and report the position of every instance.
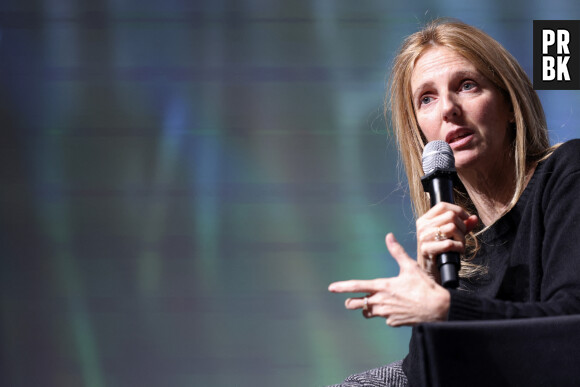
(439, 236)
(366, 311)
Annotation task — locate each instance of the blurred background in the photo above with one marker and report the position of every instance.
(181, 180)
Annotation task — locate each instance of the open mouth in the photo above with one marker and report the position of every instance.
(458, 136)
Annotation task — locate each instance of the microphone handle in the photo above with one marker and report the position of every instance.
(448, 265)
(440, 188)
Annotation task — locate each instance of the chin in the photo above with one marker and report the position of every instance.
(465, 162)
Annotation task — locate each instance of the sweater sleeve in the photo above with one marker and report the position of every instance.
(465, 306)
(555, 273)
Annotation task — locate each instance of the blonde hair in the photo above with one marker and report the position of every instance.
(530, 142)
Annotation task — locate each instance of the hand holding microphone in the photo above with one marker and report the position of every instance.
(440, 174)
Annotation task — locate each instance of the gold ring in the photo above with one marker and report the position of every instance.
(366, 305)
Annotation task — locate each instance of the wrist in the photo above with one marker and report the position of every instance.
(443, 303)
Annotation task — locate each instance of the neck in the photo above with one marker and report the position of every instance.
(491, 189)
(489, 198)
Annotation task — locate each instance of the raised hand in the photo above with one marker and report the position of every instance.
(410, 298)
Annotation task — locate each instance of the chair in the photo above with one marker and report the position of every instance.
(543, 351)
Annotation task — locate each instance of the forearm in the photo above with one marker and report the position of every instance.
(465, 306)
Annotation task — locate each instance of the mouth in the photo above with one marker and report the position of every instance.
(458, 137)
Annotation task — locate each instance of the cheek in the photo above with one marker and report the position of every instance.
(490, 113)
(428, 128)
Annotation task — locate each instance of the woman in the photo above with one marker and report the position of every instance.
(511, 221)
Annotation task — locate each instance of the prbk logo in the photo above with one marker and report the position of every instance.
(556, 54)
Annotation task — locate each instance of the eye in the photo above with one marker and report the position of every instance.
(425, 100)
(468, 85)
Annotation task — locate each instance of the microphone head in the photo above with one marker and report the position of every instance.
(438, 156)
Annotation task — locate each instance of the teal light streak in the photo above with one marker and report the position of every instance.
(55, 214)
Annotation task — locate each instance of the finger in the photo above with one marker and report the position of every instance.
(368, 313)
(355, 286)
(453, 223)
(357, 303)
(465, 225)
(455, 230)
(470, 223)
(446, 226)
(433, 248)
(363, 303)
(448, 223)
(395, 322)
(398, 252)
(443, 207)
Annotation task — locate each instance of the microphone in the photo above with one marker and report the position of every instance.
(439, 169)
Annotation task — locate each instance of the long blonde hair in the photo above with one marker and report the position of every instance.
(492, 60)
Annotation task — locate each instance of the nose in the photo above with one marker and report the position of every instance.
(450, 108)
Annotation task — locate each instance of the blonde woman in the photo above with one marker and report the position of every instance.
(516, 214)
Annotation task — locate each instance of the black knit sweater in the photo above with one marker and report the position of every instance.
(531, 254)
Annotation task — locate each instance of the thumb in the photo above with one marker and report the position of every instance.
(398, 252)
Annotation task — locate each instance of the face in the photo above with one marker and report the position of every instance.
(454, 102)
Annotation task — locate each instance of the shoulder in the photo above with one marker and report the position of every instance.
(559, 175)
(567, 150)
(565, 157)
